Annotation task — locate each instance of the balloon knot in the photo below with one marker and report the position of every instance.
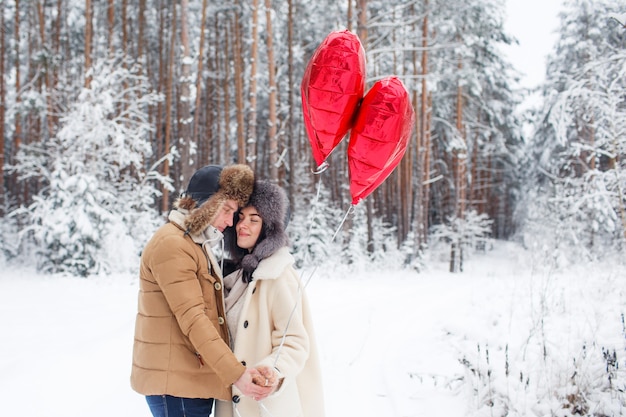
(323, 167)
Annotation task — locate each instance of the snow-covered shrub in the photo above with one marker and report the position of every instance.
(312, 232)
(364, 252)
(559, 351)
(455, 238)
(573, 207)
(97, 190)
(591, 384)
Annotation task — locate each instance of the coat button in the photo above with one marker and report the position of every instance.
(245, 324)
(218, 286)
(220, 320)
(235, 399)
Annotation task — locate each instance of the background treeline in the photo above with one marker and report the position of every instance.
(108, 107)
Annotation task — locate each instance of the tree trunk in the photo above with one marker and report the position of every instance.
(254, 56)
(48, 68)
(459, 162)
(614, 163)
(2, 111)
(195, 134)
(18, 99)
(111, 26)
(291, 141)
(214, 102)
(184, 135)
(453, 264)
(273, 119)
(423, 155)
(211, 109)
(169, 92)
(140, 33)
(88, 41)
(350, 15)
(239, 99)
(54, 70)
(160, 114)
(362, 23)
(124, 24)
(226, 99)
(405, 185)
(362, 32)
(460, 155)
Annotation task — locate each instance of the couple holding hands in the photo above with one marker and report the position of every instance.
(233, 333)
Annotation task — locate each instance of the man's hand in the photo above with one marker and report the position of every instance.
(248, 388)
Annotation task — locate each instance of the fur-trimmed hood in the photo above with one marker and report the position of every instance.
(216, 184)
(271, 203)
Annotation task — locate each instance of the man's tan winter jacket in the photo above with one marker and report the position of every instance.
(180, 345)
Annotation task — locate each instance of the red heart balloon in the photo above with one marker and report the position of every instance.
(379, 136)
(331, 89)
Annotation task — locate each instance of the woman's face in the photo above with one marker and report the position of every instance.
(248, 227)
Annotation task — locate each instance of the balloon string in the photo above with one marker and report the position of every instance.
(265, 409)
(307, 238)
(350, 211)
(306, 283)
(298, 296)
(261, 405)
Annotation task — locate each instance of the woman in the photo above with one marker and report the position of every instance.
(268, 314)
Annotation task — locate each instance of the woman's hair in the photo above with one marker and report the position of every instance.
(270, 202)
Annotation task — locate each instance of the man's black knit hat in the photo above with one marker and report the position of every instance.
(204, 183)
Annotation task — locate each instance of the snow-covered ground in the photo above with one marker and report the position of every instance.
(503, 334)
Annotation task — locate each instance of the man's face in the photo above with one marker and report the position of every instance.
(224, 217)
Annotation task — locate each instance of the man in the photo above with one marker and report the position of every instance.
(181, 357)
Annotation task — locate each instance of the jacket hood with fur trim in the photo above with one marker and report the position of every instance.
(236, 182)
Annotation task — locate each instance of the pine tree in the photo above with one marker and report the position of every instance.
(579, 145)
(96, 186)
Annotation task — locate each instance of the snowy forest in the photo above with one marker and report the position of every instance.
(107, 108)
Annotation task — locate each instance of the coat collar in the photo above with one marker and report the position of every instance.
(207, 238)
(210, 235)
(274, 265)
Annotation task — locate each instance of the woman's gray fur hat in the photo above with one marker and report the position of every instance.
(271, 203)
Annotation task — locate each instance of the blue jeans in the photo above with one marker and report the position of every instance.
(168, 406)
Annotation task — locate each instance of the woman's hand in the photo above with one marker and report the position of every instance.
(248, 387)
(266, 377)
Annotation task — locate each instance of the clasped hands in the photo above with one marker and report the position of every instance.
(257, 383)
